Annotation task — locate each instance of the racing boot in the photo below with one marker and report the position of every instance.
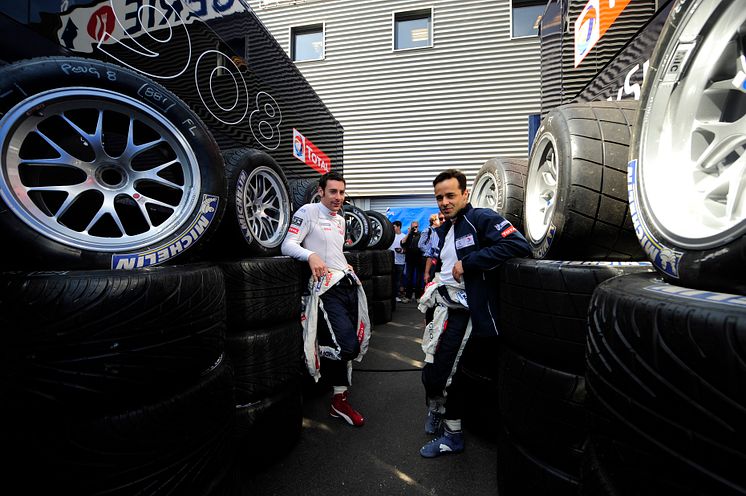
(448, 443)
(341, 408)
(433, 422)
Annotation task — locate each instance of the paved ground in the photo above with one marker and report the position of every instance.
(381, 458)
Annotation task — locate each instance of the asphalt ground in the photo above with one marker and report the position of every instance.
(382, 457)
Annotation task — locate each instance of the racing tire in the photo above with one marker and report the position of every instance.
(304, 191)
(380, 311)
(99, 341)
(70, 199)
(685, 173)
(381, 231)
(664, 366)
(576, 204)
(266, 361)
(258, 212)
(500, 186)
(383, 262)
(544, 307)
(362, 263)
(357, 228)
(179, 444)
(382, 287)
(261, 292)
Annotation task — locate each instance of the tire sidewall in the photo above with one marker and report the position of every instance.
(23, 79)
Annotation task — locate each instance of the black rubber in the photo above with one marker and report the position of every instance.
(266, 361)
(98, 341)
(383, 261)
(303, 191)
(33, 251)
(510, 178)
(544, 307)
(666, 365)
(234, 236)
(380, 221)
(380, 311)
(592, 217)
(357, 216)
(362, 263)
(382, 289)
(262, 291)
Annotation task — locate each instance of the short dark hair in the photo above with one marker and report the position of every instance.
(331, 176)
(396, 223)
(451, 174)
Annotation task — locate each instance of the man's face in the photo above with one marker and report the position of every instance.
(414, 226)
(450, 198)
(397, 229)
(332, 197)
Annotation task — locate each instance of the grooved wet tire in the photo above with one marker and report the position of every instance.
(303, 191)
(258, 212)
(382, 287)
(500, 185)
(665, 364)
(383, 261)
(381, 231)
(266, 361)
(578, 170)
(262, 291)
(362, 263)
(183, 202)
(177, 445)
(544, 307)
(380, 311)
(97, 341)
(685, 177)
(544, 410)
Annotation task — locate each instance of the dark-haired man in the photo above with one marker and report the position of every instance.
(472, 243)
(335, 317)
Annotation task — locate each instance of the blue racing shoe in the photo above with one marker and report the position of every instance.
(434, 422)
(449, 442)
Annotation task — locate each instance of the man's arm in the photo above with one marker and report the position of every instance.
(503, 241)
(297, 232)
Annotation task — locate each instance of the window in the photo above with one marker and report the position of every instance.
(413, 29)
(307, 42)
(526, 16)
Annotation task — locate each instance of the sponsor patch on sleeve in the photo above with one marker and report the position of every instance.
(297, 221)
(508, 231)
(293, 230)
(502, 225)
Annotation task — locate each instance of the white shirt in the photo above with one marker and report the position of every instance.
(449, 258)
(316, 229)
(397, 249)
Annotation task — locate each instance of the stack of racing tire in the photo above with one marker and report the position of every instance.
(621, 377)
(116, 376)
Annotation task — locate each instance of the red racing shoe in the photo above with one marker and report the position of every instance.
(341, 408)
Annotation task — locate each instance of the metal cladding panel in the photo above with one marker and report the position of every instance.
(564, 87)
(410, 114)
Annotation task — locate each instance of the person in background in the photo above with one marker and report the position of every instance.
(428, 241)
(415, 264)
(335, 320)
(472, 244)
(399, 261)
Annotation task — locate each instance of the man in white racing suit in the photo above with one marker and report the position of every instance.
(336, 326)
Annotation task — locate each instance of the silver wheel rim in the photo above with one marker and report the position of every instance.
(96, 170)
(485, 192)
(354, 230)
(376, 231)
(541, 188)
(266, 203)
(693, 138)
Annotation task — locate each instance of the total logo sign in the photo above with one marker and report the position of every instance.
(306, 152)
(593, 22)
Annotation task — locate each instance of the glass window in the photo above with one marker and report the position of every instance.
(413, 29)
(526, 17)
(307, 43)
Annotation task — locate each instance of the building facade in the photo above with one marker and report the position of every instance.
(419, 86)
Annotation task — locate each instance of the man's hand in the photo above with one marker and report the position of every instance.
(318, 267)
(458, 271)
(426, 277)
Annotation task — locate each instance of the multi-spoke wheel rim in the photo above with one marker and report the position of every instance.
(96, 170)
(485, 192)
(266, 203)
(693, 139)
(354, 231)
(541, 188)
(376, 231)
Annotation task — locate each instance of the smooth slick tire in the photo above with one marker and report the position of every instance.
(146, 194)
(686, 175)
(500, 185)
(576, 204)
(665, 365)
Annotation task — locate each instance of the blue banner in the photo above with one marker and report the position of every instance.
(409, 214)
